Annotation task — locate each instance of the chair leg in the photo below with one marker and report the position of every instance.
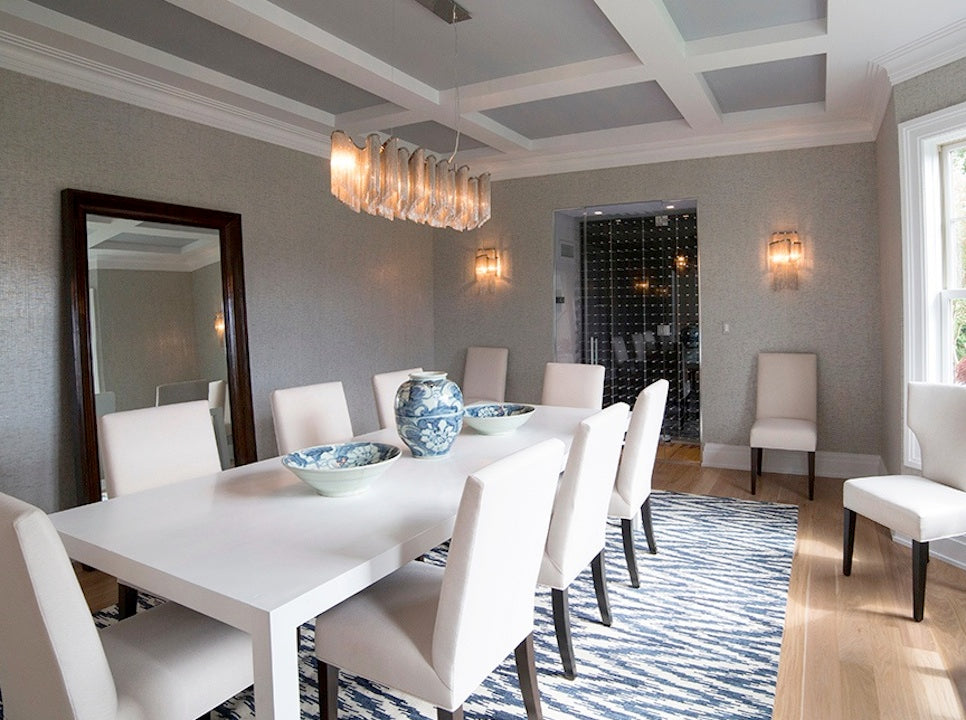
(206, 716)
(627, 535)
(127, 601)
(848, 540)
(648, 526)
(328, 680)
(600, 587)
(920, 556)
(811, 475)
(755, 469)
(456, 714)
(527, 674)
(561, 624)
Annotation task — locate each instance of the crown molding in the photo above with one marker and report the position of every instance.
(928, 53)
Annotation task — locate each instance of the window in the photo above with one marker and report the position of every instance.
(932, 167)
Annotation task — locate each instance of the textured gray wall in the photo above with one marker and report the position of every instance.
(206, 293)
(827, 194)
(331, 295)
(932, 91)
(146, 327)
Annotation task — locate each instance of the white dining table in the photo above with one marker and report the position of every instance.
(256, 548)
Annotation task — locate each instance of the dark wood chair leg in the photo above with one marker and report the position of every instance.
(456, 714)
(848, 540)
(206, 716)
(527, 674)
(127, 601)
(627, 535)
(811, 475)
(920, 556)
(600, 587)
(561, 624)
(755, 469)
(648, 526)
(328, 680)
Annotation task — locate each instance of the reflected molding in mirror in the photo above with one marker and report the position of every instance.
(76, 205)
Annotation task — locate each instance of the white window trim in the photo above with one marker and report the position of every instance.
(922, 237)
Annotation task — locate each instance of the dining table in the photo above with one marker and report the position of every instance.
(256, 548)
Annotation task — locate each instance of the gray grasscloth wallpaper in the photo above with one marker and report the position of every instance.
(827, 194)
(331, 295)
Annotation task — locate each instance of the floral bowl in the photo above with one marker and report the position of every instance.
(497, 418)
(341, 469)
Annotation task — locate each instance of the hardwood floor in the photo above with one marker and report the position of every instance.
(851, 650)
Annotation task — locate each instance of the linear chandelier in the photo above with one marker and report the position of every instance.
(384, 179)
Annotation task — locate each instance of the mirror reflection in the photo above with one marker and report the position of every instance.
(157, 320)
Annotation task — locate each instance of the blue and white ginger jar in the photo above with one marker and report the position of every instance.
(429, 413)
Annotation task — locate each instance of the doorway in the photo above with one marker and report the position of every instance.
(626, 297)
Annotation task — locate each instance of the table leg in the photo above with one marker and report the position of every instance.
(276, 666)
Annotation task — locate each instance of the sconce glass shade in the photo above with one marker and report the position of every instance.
(487, 262)
(785, 254)
(220, 324)
(387, 180)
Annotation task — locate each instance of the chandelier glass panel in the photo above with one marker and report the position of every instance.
(384, 179)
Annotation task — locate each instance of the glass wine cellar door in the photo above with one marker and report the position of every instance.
(626, 297)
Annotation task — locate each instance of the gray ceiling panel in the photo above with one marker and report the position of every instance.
(766, 85)
(697, 19)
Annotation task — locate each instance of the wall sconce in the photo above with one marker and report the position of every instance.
(785, 254)
(487, 263)
(220, 325)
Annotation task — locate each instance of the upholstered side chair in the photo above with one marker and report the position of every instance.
(926, 507)
(484, 374)
(573, 385)
(579, 523)
(437, 633)
(310, 415)
(632, 490)
(167, 663)
(786, 415)
(384, 387)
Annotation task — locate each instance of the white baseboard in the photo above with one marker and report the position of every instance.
(787, 462)
(951, 550)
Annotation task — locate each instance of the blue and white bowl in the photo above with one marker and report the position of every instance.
(341, 469)
(497, 418)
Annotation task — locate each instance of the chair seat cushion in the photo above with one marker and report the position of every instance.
(784, 434)
(175, 662)
(908, 504)
(399, 612)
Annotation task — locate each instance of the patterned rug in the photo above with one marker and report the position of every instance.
(699, 639)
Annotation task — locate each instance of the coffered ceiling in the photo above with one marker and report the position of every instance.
(534, 86)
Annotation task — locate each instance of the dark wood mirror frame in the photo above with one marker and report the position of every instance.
(75, 206)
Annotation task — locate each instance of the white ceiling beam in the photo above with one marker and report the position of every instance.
(757, 46)
(284, 32)
(570, 79)
(651, 34)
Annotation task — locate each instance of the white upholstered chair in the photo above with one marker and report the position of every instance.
(484, 374)
(579, 522)
(786, 416)
(310, 415)
(632, 490)
(180, 392)
(384, 387)
(927, 507)
(167, 663)
(146, 448)
(438, 633)
(573, 385)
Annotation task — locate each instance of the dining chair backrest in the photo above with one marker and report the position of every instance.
(156, 446)
(640, 446)
(640, 350)
(487, 595)
(310, 415)
(181, 392)
(54, 665)
(936, 413)
(787, 386)
(620, 350)
(384, 387)
(573, 385)
(484, 374)
(579, 519)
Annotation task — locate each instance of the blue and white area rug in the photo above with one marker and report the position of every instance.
(699, 639)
